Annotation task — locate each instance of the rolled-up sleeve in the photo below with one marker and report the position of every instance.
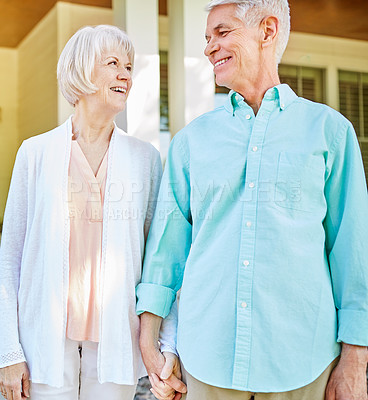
(170, 235)
(346, 226)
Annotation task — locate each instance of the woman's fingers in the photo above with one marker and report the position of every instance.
(160, 388)
(12, 379)
(159, 397)
(25, 385)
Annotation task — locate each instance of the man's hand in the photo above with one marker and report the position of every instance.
(163, 369)
(348, 380)
(14, 381)
(168, 384)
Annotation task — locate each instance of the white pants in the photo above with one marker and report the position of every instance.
(80, 378)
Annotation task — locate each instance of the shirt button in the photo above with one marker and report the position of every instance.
(249, 224)
(251, 185)
(248, 116)
(244, 304)
(255, 148)
(245, 263)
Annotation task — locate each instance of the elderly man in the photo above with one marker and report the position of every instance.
(262, 221)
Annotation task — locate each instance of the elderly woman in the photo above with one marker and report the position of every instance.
(79, 209)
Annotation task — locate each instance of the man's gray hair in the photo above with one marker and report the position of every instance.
(253, 11)
(82, 51)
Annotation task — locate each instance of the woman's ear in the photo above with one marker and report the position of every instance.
(270, 29)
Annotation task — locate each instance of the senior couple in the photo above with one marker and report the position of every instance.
(261, 221)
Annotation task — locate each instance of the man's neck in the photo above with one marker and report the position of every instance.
(253, 92)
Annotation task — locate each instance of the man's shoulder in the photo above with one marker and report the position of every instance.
(208, 119)
(327, 113)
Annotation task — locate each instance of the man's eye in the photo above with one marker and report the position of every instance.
(223, 33)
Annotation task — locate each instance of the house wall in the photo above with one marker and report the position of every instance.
(37, 87)
(8, 119)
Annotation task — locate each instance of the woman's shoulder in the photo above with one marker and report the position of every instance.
(48, 138)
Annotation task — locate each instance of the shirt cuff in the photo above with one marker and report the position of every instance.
(155, 299)
(169, 349)
(353, 327)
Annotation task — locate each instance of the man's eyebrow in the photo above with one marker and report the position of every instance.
(219, 26)
(216, 28)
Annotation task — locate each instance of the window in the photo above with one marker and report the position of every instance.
(353, 91)
(162, 7)
(306, 82)
(164, 92)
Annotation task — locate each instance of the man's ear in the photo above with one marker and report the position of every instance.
(270, 29)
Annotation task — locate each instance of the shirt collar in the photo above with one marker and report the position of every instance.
(282, 93)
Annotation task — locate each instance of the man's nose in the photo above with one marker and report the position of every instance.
(212, 46)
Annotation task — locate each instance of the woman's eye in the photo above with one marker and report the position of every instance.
(128, 68)
(113, 63)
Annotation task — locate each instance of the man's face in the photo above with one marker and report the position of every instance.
(232, 48)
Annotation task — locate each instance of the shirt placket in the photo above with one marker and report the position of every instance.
(246, 260)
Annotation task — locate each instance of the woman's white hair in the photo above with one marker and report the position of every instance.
(82, 51)
(253, 11)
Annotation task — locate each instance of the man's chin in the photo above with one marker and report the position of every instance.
(222, 83)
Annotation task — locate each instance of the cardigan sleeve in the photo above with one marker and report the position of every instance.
(11, 250)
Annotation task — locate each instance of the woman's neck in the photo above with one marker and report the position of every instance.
(91, 127)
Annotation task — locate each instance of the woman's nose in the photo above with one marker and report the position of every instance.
(124, 74)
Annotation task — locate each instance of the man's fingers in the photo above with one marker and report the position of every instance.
(330, 393)
(176, 384)
(177, 396)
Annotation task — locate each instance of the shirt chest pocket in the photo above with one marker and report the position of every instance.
(300, 181)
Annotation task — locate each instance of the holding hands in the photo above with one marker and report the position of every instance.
(163, 368)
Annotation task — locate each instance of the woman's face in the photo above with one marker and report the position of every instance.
(112, 75)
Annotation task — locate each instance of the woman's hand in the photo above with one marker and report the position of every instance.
(168, 385)
(14, 381)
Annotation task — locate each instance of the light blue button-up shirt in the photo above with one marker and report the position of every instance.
(263, 222)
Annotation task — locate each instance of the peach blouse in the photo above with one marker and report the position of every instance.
(86, 197)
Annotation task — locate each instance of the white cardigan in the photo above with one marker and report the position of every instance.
(34, 256)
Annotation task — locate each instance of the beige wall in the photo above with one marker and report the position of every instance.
(8, 119)
(37, 88)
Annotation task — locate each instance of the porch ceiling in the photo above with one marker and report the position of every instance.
(326, 17)
(18, 17)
